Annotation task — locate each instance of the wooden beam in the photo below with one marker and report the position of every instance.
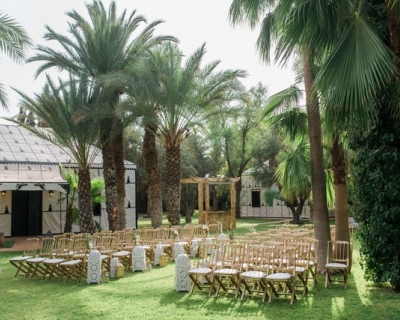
(200, 198)
(207, 200)
(232, 223)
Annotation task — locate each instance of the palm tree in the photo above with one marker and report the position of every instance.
(293, 173)
(292, 122)
(293, 26)
(14, 41)
(98, 47)
(56, 105)
(367, 56)
(182, 94)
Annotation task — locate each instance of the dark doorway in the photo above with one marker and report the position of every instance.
(26, 219)
(255, 198)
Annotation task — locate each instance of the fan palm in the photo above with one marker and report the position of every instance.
(14, 41)
(294, 172)
(97, 47)
(56, 105)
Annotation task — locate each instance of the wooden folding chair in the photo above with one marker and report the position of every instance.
(282, 280)
(71, 269)
(256, 267)
(313, 261)
(31, 246)
(35, 264)
(63, 251)
(337, 262)
(202, 274)
(303, 251)
(228, 269)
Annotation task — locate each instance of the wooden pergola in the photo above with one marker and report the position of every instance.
(203, 187)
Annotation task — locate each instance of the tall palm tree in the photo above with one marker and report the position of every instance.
(14, 41)
(293, 26)
(56, 105)
(182, 94)
(97, 47)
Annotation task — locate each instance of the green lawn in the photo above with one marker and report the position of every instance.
(151, 295)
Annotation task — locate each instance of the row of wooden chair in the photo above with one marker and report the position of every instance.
(251, 270)
(51, 261)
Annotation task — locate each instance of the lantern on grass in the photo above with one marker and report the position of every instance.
(120, 270)
(105, 276)
(113, 267)
(163, 260)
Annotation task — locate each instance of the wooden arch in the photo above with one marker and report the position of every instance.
(203, 187)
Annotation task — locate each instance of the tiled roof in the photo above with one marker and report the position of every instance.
(19, 145)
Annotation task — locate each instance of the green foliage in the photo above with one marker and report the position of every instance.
(97, 185)
(376, 203)
(270, 195)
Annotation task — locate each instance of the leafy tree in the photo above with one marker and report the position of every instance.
(235, 126)
(195, 163)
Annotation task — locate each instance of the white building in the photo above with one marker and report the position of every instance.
(252, 201)
(32, 191)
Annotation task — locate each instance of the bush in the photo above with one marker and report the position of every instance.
(376, 203)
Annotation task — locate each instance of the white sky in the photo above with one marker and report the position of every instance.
(193, 22)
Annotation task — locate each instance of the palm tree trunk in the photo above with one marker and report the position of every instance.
(341, 204)
(68, 220)
(118, 146)
(320, 208)
(173, 187)
(238, 189)
(110, 184)
(86, 220)
(68, 217)
(154, 194)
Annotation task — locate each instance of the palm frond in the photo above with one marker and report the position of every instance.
(357, 68)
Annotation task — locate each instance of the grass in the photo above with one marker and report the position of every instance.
(151, 295)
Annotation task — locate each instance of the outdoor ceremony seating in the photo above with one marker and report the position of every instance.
(256, 267)
(202, 274)
(228, 268)
(337, 262)
(35, 265)
(32, 245)
(282, 279)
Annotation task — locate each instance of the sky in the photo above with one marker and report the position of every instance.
(193, 22)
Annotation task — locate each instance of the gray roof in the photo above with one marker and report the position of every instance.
(19, 145)
(30, 162)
